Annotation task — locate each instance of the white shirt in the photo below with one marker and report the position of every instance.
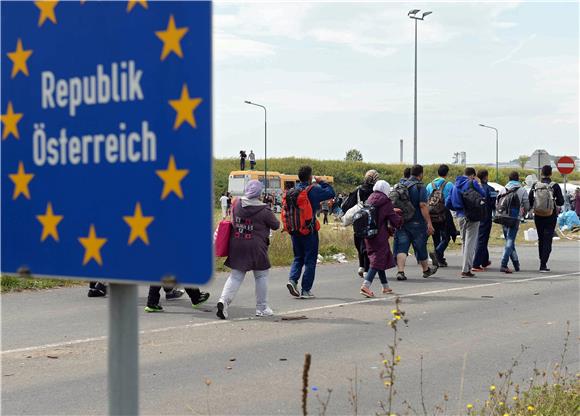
(224, 201)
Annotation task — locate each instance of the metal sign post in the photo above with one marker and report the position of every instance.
(123, 379)
(566, 165)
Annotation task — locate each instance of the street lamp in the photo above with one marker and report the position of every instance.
(496, 151)
(265, 144)
(413, 14)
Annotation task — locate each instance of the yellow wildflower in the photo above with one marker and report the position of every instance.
(515, 398)
(506, 414)
(397, 317)
(469, 406)
(492, 388)
(387, 383)
(394, 312)
(385, 362)
(531, 408)
(398, 359)
(501, 403)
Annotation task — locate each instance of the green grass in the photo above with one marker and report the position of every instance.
(18, 284)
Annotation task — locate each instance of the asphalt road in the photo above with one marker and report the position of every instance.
(54, 343)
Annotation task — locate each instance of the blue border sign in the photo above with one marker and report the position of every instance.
(107, 140)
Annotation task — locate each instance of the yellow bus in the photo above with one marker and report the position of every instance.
(277, 182)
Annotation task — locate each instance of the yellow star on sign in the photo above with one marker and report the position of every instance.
(132, 3)
(185, 107)
(92, 245)
(172, 178)
(171, 38)
(46, 11)
(138, 224)
(19, 58)
(10, 120)
(21, 180)
(49, 223)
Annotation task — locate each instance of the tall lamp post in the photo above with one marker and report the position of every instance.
(496, 151)
(265, 144)
(413, 14)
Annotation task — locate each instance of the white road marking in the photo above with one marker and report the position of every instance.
(315, 308)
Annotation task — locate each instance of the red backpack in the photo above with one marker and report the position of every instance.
(297, 216)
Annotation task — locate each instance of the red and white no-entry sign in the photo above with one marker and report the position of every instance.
(565, 165)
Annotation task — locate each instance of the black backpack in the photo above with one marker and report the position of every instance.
(364, 222)
(507, 208)
(436, 203)
(402, 199)
(474, 205)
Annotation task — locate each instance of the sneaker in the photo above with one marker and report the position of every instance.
(265, 312)
(153, 308)
(306, 294)
(222, 310)
(443, 263)
(517, 267)
(174, 294)
(429, 272)
(478, 269)
(364, 276)
(401, 276)
(293, 288)
(505, 270)
(366, 292)
(544, 269)
(361, 271)
(387, 290)
(434, 259)
(467, 275)
(486, 265)
(203, 297)
(95, 293)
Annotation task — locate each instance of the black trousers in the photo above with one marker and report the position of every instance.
(481, 258)
(363, 258)
(441, 240)
(155, 294)
(545, 227)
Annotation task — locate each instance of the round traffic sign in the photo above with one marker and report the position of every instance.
(565, 165)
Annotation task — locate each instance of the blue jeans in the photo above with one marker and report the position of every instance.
(305, 255)
(371, 276)
(509, 252)
(482, 253)
(414, 233)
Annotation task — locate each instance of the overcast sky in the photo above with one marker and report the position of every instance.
(340, 75)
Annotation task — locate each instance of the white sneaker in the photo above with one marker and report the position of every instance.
(361, 271)
(222, 310)
(265, 312)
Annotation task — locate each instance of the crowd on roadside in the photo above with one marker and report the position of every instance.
(410, 211)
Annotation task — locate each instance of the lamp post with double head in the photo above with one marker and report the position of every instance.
(496, 151)
(265, 144)
(414, 14)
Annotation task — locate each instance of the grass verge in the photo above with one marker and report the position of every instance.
(18, 284)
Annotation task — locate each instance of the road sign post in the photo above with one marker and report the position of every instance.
(107, 153)
(566, 166)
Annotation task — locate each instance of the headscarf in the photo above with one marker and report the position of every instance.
(253, 189)
(371, 177)
(382, 186)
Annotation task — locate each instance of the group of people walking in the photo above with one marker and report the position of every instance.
(251, 157)
(409, 211)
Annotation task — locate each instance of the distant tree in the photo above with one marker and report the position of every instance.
(522, 160)
(354, 155)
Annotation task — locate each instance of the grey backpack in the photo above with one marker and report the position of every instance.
(402, 200)
(544, 204)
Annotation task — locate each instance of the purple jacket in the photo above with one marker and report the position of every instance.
(378, 248)
(249, 239)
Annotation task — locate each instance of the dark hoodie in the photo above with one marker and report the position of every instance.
(250, 237)
(455, 200)
(378, 248)
(363, 191)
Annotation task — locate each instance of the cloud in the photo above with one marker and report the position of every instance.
(230, 47)
(515, 50)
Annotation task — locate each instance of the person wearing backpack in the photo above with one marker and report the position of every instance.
(252, 221)
(438, 191)
(481, 259)
(410, 197)
(298, 208)
(467, 199)
(511, 206)
(377, 244)
(545, 198)
(360, 195)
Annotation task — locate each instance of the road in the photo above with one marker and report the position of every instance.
(54, 342)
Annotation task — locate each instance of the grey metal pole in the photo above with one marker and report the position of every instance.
(401, 150)
(266, 149)
(123, 350)
(415, 103)
(496, 156)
